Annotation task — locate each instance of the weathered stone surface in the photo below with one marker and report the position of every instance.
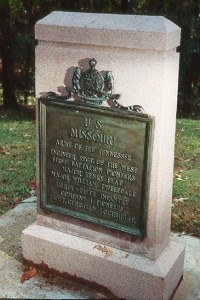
(110, 30)
(126, 275)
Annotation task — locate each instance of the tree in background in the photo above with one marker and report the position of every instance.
(7, 55)
(186, 14)
(17, 19)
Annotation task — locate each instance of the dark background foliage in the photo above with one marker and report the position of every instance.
(17, 44)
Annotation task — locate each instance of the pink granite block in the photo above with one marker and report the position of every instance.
(141, 53)
(126, 275)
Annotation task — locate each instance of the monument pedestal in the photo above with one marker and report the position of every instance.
(126, 275)
(90, 224)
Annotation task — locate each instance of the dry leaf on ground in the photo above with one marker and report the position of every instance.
(3, 150)
(32, 185)
(182, 233)
(181, 199)
(3, 199)
(187, 160)
(28, 275)
(17, 200)
(179, 177)
(100, 296)
(108, 253)
(104, 249)
(175, 217)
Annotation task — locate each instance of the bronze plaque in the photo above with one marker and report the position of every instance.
(95, 164)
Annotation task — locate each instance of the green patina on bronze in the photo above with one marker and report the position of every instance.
(95, 164)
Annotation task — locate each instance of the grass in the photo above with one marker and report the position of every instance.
(17, 159)
(17, 165)
(186, 188)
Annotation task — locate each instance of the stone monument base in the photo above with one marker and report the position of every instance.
(126, 275)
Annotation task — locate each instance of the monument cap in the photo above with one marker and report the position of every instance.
(112, 30)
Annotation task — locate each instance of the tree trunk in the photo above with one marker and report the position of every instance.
(9, 98)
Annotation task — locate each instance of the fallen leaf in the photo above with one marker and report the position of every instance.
(182, 233)
(32, 185)
(176, 168)
(181, 199)
(26, 135)
(28, 275)
(17, 200)
(104, 249)
(33, 193)
(179, 177)
(108, 253)
(3, 150)
(3, 197)
(101, 248)
(178, 159)
(3, 200)
(175, 217)
(100, 296)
